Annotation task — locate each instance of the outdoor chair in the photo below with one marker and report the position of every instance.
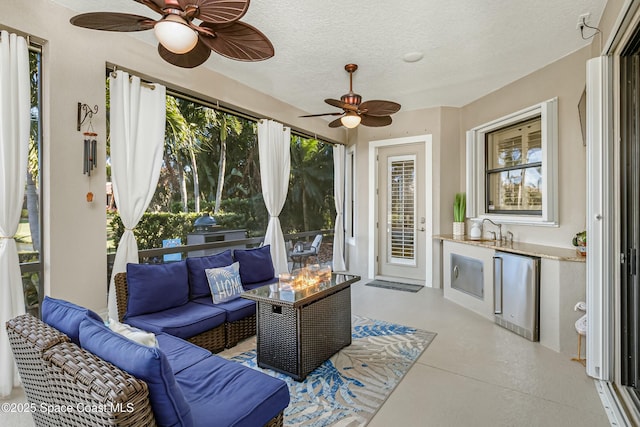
(300, 254)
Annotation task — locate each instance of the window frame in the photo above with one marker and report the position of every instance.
(350, 217)
(476, 166)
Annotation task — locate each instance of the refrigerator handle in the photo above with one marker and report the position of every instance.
(497, 285)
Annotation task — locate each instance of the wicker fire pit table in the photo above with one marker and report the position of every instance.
(301, 327)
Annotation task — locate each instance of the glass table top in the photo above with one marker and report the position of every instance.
(300, 293)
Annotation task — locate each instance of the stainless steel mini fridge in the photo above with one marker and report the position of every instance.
(516, 286)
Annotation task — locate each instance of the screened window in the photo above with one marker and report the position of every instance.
(29, 231)
(211, 165)
(512, 167)
(350, 195)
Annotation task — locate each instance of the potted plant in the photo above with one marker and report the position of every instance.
(580, 242)
(459, 211)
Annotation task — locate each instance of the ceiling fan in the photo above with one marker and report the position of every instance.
(182, 41)
(355, 112)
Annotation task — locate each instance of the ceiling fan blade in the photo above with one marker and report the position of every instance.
(340, 104)
(111, 21)
(197, 56)
(336, 123)
(379, 108)
(217, 11)
(375, 121)
(323, 114)
(238, 41)
(155, 5)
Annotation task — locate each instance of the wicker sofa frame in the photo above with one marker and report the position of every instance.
(56, 373)
(215, 340)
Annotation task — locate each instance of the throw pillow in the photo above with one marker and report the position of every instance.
(65, 316)
(255, 264)
(156, 287)
(198, 284)
(224, 282)
(148, 364)
(134, 334)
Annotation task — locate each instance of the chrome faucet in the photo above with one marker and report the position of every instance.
(499, 237)
(509, 237)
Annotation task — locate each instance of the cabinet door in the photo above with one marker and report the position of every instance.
(467, 275)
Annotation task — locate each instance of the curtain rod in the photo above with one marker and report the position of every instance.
(34, 43)
(246, 114)
(142, 83)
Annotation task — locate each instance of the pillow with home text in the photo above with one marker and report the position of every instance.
(224, 282)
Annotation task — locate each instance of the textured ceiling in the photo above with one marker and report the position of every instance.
(471, 47)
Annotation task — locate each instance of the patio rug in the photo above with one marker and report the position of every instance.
(396, 286)
(349, 388)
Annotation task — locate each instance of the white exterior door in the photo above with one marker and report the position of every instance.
(401, 214)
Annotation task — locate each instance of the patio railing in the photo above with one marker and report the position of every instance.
(156, 255)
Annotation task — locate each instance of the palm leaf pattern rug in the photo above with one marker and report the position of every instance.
(349, 388)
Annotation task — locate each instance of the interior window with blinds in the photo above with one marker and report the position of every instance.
(402, 209)
(514, 169)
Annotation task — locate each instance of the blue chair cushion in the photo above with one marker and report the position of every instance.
(156, 287)
(148, 364)
(185, 321)
(65, 316)
(248, 287)
(198, 284)
(225, 283)
(236, 395)
(180, 353)
(236, 309)
(255, 264)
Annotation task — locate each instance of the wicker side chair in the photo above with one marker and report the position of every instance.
(29, 339)
(212, 340)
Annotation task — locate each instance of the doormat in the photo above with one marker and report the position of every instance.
(396, 286)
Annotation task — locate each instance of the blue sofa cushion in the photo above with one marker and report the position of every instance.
(236, 395)
(236, 309)
(255, 264)
(185, 321)
(248, 287)
(156, 287)
(65, 316)
(180, 353)
(148, 364)
(198, 285)
(225, 283)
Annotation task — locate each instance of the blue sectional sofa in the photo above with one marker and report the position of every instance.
(175, 298)
(74, 361)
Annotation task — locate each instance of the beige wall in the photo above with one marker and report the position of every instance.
(442, 125)
(564, 79)
(74, 60)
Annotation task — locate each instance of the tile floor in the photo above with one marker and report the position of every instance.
(473, 374)
(476, 373)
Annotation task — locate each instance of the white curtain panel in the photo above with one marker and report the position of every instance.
(137, 143)
(338, 196)
(274, 145)
(15, 110)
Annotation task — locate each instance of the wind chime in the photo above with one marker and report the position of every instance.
(90, 142)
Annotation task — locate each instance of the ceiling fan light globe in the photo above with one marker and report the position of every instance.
(350, 120)
(175, 35)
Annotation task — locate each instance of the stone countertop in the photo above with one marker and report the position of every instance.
(549, 252)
